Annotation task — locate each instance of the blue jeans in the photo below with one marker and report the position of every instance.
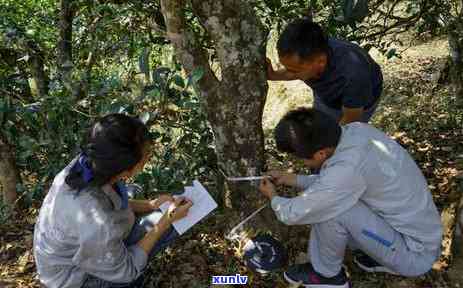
(139, 229)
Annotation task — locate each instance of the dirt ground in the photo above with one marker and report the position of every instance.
(415, 110)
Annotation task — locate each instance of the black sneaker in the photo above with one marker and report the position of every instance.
(304, 274)
(368, 264)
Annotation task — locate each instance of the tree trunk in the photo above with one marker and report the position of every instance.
(35, 67)
(80, 90)
(9, 175)
(311, 8)
(65, 43)
(39, 76)
(235, 113)
(234, 103)
(456, 57)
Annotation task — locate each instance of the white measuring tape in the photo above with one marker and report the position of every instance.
(249, 178)
(232, 235)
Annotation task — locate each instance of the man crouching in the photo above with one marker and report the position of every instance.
(369, 196)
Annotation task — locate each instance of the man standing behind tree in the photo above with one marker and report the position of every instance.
(345, 80)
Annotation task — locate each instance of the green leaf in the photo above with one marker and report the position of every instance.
(129, 109)
(154, 94)
(178, 80)
(195, 76)
(119, 109)
(155, 135)
(391, 53)
(145, 117)
(353, 11)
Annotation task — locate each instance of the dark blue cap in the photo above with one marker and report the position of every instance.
(264, 254)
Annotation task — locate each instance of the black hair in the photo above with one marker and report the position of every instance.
(304, 131)
(303, 38)
(113, 144)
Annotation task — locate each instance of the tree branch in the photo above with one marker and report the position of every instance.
(310, 14)
(403, 22)
(81, 90)
(37, 68)
(190, 52)
(34, 57)
(65, 42)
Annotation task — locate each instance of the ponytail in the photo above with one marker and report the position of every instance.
(114, 144)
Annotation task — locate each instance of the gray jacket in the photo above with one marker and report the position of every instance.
(78, 235)
(368, 166)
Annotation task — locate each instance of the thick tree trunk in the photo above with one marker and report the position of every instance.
(456, 56)
(234, 103)
(235, 113)
(9, 175)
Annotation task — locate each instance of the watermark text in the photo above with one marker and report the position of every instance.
(230, 280)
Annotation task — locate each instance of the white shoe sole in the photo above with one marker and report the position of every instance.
(291, 281)
(379, 269)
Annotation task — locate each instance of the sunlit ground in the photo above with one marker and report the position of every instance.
(418, 113)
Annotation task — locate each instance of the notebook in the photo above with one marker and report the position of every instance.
(203, 204)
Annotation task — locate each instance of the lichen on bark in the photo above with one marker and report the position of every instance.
(234, 104)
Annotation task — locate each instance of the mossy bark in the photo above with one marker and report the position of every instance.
(234, 97)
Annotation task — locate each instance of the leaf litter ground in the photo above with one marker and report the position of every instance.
(415, 110)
